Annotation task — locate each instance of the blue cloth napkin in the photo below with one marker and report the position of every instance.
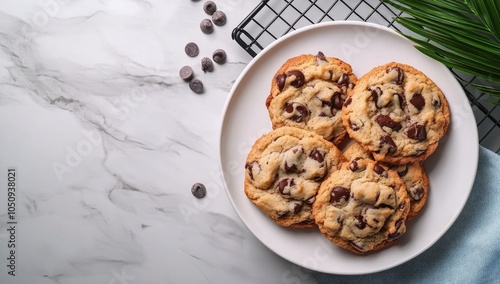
(469, 252)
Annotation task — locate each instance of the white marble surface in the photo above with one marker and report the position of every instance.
(107, 140)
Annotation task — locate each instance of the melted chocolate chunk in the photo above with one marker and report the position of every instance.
(416, 193)
(297, 206)
(403, 172)
(361, 223)
(310, 200)
(317, 156)
(380, 170)
(400, 76)
(354, 164)
(348, 101)
(386, 121)
(417, 132)
(321, 56)
(387, 140)
(338, 193)
(299, 78)
(280, 80)
(402, 206)
(299, 110)
(336, 102)
(375, 93)
(418, 101)
(285, 184)
(343, 80)
(290, 169)
(249, 167)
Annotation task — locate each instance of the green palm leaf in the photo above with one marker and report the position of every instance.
(461, 34)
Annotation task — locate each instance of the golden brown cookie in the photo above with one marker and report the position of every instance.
(283, 173)
(362, 207)
(397, 113)
(308, 92)
(413, 175)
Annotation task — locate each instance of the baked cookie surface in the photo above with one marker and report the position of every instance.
(308, 92)
(283, 173)
(413, 175)
(397, 113)
(362, 207)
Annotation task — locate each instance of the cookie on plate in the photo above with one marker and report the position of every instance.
(283, 173)
(397, 113)
(308, 92)
(362, 207)
(413, 175)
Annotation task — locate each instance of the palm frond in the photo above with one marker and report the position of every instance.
(461, 34)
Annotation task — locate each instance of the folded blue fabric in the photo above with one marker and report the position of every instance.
(469, 252)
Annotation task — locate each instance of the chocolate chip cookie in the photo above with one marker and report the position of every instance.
(283, 173)
(362, 207)
(413, 175)
(308, 92)
(397, 113)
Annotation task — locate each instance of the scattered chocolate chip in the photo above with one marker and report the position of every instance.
(386, 121)
(282, 213)
(311, 200)
(348, 101)
(387, 140)
(380, 170)
(280, 80)
(336, 102)
(209, 7)
(296, 207)
(354, 164)
(299, 111)
(402, 206)
(219, 18)
(206, 26)
(401, 101)
(196, 86)
(383, 205)
(417, 132)
(353, 126)
(396, 232)
(419, 152)
(192, 49)
(207, 64)
(354, 245)
(186, 73)
(338, 193)
(436, 103)
(317, 155)
(219, 56)
(198, 190)
(285, 184)
(418, 101)
(299, 78)
(400, 75)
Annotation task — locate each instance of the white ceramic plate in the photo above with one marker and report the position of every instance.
(451, 168)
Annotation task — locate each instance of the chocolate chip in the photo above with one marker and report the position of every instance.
(285, 185)
(386, 121)
(299, 78)
(387, 140)
(336, 102)
(321, 56)
(354, 245)
(191, 49)
(401, 101)
(317, 156)
(296, 207)
(196, 86)
(402, 206)
(417, 192)
(249, 167)
(353, 126)
(354, 164)
(396, 232)
(206, 26)
(207, 64)
(219, 56)
(209, 7)
(361, 223)
(282, 213)
(338, 194)
(311, 200)
(403, 172)
(383, 205)
(400, 75)
(280, 80)
(417, 132)
(375, 93)
(219, 18)
(380, 170)
(299, 111)
(198, 190)
(186, 73)
(436, 103)
(418, 101)
(343, 80)
(348, 101)
(290, 169)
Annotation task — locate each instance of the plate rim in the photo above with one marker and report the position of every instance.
(229, 99)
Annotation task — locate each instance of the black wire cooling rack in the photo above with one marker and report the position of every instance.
(272, 19)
